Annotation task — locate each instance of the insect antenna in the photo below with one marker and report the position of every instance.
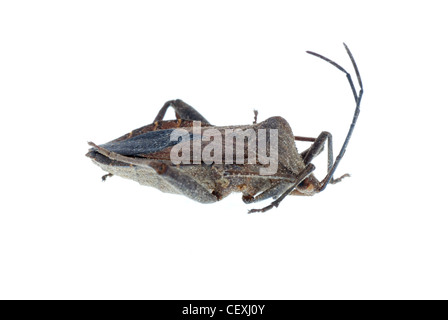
(358, 97)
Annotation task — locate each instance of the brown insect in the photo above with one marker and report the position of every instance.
(150, 155)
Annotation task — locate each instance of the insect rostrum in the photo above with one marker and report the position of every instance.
(206, 163)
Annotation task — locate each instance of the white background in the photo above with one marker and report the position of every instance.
(75, 71)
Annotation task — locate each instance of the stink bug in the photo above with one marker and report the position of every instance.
(211, 171)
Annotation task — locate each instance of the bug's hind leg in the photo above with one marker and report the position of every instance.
(317, 147)
(183, 111)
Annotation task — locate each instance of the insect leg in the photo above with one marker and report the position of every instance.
(358, 97)
(183, 111)
(306, 139)
(301, 176)
(275, 190)
(317, 147)
(299, 138)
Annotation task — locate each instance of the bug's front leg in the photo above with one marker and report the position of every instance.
(316, 148)
(272, 192)
(300, 177)
(183, 111)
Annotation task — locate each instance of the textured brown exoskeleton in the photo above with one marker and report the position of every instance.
(143, 155)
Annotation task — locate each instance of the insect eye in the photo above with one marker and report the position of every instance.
(303, 184)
